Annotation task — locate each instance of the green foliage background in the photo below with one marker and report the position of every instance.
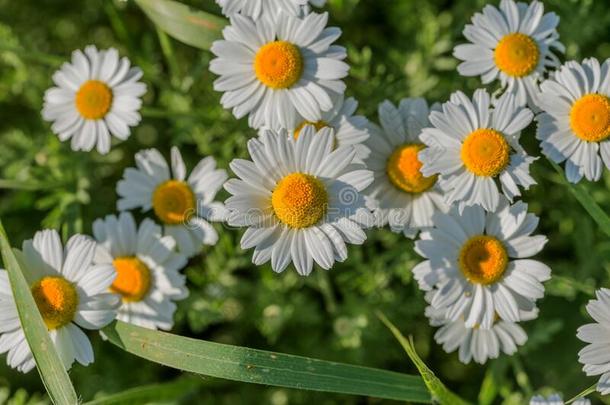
(397, 48)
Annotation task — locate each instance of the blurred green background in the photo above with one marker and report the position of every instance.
(397, 48)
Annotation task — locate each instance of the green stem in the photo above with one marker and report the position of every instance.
(23, 185)
(588, 203)
(40, 57)
(168, 54)
(521, 376)
(327, 291)
(583, 394)
(149, 112)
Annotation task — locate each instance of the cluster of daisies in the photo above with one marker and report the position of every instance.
(319, 175)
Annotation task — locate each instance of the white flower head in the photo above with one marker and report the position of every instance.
(595, 356)
(515, 43)
(478, 344)
(184, 205)
(400, 195)
(555, 399)
(71, 293)
(575, 125)
(267, 8)
(97, 95)
(478, 264)
(147, 266)
(300, 200)
(475, 149)
(281, 71)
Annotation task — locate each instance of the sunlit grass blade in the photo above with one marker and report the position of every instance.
(262, 367)
(584, 198)
(52, 372)
(438, 390)
(151, 393)
(193, 27)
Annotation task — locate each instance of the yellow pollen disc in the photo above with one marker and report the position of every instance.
(590, 118)
(318, 125)
(278, 64)
(483, 259)
(517, 54)
(56, 299)
(403, 169)
(299, 200)
(93, 100)
(173, 202)
(485, 152)
(132, 281)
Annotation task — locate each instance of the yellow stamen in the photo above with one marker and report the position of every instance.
(173, 202)
(299, 200)
(590, 118)
(517, 54)
(93, 99)
(404, 169)
(133, 278)
(278, 64)
(56, 299)
(485, 152)
(483, 259)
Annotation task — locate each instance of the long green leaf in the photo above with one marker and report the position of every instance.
(193, 27)
(150, 393)
(262, 367)
(584, 198)
(52, 372)
(439, 392)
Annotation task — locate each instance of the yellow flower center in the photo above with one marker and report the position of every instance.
(93, 99)
(403, 169)
(590, 117)
(483, 259)
(485, 152)
(56, 299)
(318, 125)
(299, 200)
(278, 64)
(132, 281)
(173, 202)
(517, 54)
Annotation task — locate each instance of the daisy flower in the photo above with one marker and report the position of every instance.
(97, 95)
(147, 267)
(476, 343)
(258, 8)
(515, 43)
(300, 200)
(575, 124)
(183, 205)
(475, 148)
(400, 195)
(280, 72)
(71, 293)
(595, 356)
(348, 129)
(477, 264)
(555, 399)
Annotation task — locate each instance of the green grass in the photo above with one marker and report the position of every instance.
(397, 48)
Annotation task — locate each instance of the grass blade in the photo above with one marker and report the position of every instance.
(193, 27)
(51, 370)
(584, 198)
(439, 392)
(263, 367)
(151, 393)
